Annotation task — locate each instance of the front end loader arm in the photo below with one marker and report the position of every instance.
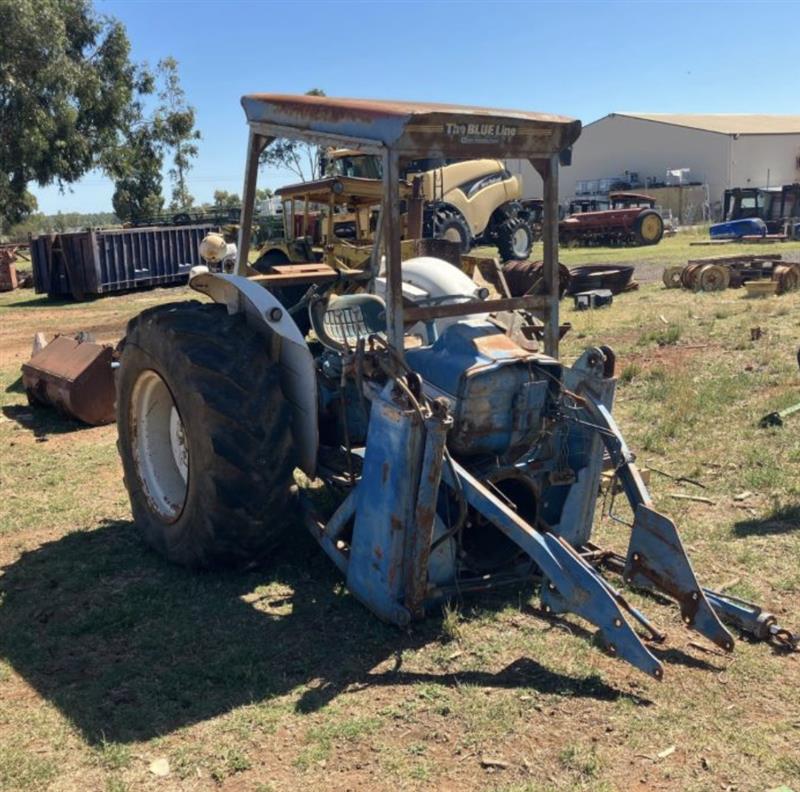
(571, 584)
(656, 558)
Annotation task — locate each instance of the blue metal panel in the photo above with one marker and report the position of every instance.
(657, 559)
(420, 537)
(385, 506)
(732, 229)
(496, 389)
(586, 448)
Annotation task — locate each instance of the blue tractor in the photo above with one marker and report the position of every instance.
(438, 451)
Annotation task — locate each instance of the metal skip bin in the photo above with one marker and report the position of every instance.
(75, 377)
(84, 263)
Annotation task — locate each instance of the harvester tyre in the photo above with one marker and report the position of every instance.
(450, 225)
(234, 435)
(649, 227)
(514, 239)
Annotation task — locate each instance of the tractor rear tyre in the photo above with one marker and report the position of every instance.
(450, 225)
(649, 228)
(204, 435)
(514, 239)
(288, 295)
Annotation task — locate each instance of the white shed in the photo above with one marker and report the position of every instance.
(720, 150)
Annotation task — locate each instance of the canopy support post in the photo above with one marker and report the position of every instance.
(256, 144)
(391, 240)
(548, 170)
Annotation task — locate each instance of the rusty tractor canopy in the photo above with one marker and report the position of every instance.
(414, 128)
(397, 131)
(75, 377)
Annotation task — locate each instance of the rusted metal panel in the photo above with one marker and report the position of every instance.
(8, 276)
(385, 508)
(419, 539)
(85, 263)
(656, 558)
(412, 128)
(296, 274)
(428, 313)
(75, 377)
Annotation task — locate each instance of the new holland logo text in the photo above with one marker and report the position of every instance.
(480, 132)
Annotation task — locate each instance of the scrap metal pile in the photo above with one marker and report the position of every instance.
(10, 278)
(773, 275)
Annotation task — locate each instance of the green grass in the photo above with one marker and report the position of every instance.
(277, 679)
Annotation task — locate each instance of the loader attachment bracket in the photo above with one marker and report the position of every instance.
(657, 559)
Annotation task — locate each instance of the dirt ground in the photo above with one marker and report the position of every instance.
(121, 672)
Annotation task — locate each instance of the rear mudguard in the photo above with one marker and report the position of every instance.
(264, 312)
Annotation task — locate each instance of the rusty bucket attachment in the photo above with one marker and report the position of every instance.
(75, 377)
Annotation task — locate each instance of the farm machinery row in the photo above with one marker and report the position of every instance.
(453, 454)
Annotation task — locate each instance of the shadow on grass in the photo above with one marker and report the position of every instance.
(130, 647)
(778, 521)
(522, 673)
(42, 301)
(42, 421)
(16, 386)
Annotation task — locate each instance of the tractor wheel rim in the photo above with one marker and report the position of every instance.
(452, 235)
(160, 449)
(650, 227)
(519, 242)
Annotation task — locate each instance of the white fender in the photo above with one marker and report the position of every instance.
(298, 376)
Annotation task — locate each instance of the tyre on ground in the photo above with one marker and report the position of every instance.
(714, 277)
(526, 277)
(672, 277)
(204, 435)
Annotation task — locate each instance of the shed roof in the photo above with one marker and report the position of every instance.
(725, 123)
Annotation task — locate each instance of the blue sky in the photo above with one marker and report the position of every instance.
(583, 59)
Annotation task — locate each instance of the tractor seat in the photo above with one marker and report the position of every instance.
(342, 320)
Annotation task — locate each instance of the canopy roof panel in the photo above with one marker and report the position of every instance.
(411, 128)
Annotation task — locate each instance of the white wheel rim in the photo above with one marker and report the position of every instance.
(519, 241)
(160, 451)
(452, 235)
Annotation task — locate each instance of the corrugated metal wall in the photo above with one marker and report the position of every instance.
(97, 262)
